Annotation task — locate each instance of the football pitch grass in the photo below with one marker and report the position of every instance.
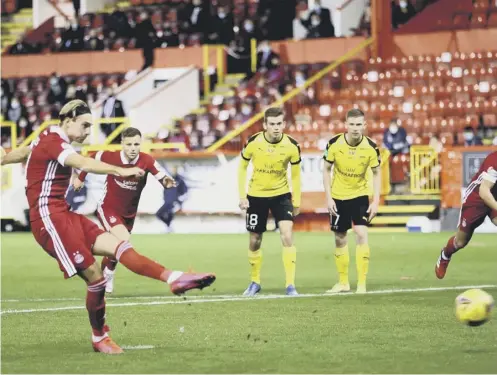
(45, 326)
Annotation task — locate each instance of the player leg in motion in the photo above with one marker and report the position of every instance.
(118, 206)
(479, 201)
(270, 152)
(72, 239)
(350, 155)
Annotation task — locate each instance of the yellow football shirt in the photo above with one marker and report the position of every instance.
(270, 164)
(350, 166)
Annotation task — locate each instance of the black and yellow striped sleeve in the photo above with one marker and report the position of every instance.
(375, 159)
(295, 158)
(247, 151)
(329, 154)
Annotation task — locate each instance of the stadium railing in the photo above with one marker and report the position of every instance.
(96, 144)
(290, 95)
(13, 132)
(424, 170)
(94, 137)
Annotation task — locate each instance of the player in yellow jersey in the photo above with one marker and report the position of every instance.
(270, 151)
(348, 158)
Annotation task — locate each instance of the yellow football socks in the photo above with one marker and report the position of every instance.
(362, 263)
(255, 261)
(289, 260)
(342, 261)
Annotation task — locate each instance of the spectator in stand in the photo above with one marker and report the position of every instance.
(112, 108)
(94, 42)
(471, 138)
(395, 138)
(73, 37)
(5, 96)
(145, 38)
(198, 17)
(173, 199)
(267, 59)
(21, 47)
(222, 27)
(18, 114)
(58, 89)
(120, 24)
(249, 32)
(402, 11)
(319, 23)
(167, 37)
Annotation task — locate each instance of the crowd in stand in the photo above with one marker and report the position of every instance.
(193, 22)
(29, 102)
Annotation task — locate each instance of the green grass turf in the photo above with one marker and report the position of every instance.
(409, 332)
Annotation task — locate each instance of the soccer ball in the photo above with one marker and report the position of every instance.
(474, 307)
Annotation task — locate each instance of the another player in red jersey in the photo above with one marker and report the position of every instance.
(117, 208)
(72, 239)
(478, 202)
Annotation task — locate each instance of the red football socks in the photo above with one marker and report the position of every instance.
(451, 247)
(109, 263)
(95, 304)
(140, 264)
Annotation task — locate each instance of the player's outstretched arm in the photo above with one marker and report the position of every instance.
(90, 165)
(19, 155)
(242, 183)
(486, 193)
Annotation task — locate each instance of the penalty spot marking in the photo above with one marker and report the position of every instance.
(137, 347)
(235, 298)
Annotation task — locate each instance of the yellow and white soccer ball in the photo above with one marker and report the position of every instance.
(474, 307)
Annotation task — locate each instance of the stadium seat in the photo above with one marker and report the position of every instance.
(478, 20)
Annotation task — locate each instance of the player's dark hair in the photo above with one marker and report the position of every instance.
(73, 109)
(131, 132)
(273, 112)
(354, 113)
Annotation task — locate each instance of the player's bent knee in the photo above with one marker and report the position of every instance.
(255, 241)
(340, 239)
(106, 245)
(462, 239)
(120, 232)
(92, 273)
(361, 234)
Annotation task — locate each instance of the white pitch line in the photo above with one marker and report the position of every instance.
(239, 298)
(137, 347)
(118, 298)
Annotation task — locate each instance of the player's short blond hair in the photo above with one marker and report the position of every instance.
(73, 108)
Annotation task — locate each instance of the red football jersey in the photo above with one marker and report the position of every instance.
(487, 171)
(47, 177)
(122, 194)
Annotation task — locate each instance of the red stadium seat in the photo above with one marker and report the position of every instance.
(461, 21)
(478, 20)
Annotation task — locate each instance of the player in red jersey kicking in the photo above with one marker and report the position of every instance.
(478, 202)
(72, 239)
(117, 208)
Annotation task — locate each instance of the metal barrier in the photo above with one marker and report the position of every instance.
(425, 170)
(290, 95)
(220, 66)
(146, 147)
(13, 132)
(122, 121)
